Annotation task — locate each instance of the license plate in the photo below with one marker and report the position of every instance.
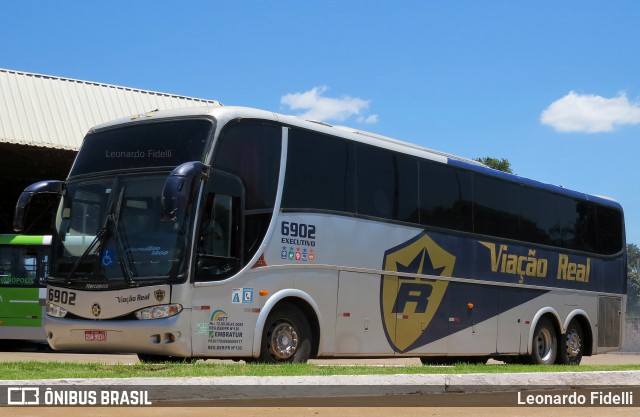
(95, 335)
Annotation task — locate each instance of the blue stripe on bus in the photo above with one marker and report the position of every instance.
(418, 310)
(454, 314)
(517, 263)
(532, 183)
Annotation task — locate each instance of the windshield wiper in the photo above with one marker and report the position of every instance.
(124, 260)
(100, 236)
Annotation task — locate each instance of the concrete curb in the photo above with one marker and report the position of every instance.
(601, 378)
(248, 388)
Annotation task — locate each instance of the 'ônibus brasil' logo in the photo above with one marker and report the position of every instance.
(408, 304)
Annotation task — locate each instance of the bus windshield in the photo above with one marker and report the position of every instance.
(109, 228)
(19, 267)
(110, 234)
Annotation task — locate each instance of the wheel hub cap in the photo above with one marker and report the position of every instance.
(284, 341)
(544, 344)
(574, 345)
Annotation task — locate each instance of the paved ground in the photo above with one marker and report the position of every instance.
(320, 412)
(41, 353)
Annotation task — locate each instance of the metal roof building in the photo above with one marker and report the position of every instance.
(55, 112)
(44, 118)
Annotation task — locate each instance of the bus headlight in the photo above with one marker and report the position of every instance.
(54, 310)
(158, 312)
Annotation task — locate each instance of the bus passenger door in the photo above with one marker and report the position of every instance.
(218, 257)
(219, 243)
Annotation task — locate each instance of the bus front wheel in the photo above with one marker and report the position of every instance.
(545, 343)
(286, 337)
(571, 346)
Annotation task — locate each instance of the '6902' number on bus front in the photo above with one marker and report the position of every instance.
(62, 297)
(301, 230)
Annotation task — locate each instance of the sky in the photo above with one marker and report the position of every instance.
(552, 86)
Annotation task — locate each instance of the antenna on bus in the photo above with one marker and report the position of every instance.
(147, 114)
(320, 122)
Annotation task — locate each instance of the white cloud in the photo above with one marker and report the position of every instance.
(589, 113)
(368, 120)
(315, 106)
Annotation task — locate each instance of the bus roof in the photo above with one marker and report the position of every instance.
(224, 114)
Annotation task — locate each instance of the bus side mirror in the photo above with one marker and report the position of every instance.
(179, 187)
(43, 187)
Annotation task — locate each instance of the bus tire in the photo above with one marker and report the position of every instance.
(571, 346)
(544, 347)
(286, 337)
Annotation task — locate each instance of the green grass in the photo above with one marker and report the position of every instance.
(58, 370)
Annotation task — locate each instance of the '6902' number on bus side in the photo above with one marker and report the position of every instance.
(301, 230)
(62, 297)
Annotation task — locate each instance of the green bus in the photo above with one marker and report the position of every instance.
(24, 266)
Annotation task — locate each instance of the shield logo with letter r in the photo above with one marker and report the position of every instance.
(409, 292)
(159, 294)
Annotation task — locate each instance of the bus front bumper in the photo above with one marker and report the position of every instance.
(166, 337)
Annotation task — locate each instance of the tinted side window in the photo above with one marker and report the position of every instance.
(538, 216)
(387, 184)
(495, 209)
(610, 230)
(445, 197)
(551, 219)
(320, 173)
(584, 238)
(251, 151)
(563, 232)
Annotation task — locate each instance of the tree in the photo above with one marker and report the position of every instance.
(495, 163)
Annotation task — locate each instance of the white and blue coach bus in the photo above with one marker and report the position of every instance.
(228, 232)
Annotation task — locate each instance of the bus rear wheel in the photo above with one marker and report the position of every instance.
(571, 346)
(286, 337)
(544, 347)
